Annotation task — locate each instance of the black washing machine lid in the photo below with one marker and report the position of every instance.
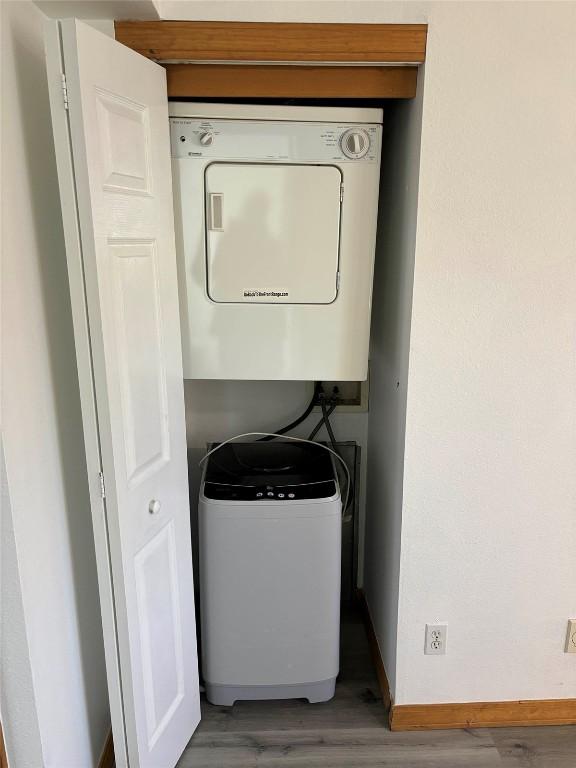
(269, 470)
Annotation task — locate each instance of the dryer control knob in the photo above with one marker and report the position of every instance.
(206, 139)
(355, 143)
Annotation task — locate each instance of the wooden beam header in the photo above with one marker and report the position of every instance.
(303, 82)
(213, 41)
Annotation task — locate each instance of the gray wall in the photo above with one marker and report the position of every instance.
(390, 341)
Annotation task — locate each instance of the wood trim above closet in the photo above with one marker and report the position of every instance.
(218, 41)
(265, 81)
(231, 59)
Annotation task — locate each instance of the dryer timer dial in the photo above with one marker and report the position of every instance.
(355, 143)
(206, 138)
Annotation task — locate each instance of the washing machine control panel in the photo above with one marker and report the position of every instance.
(223, 492)
(268, 140)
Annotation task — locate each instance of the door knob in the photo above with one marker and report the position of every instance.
(154, 507)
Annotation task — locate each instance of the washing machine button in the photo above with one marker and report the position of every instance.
(259, 495)
(270, 493)
(291, 495)
(280, 495)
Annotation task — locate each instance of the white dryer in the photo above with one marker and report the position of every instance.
(276, 213)
(270, 532)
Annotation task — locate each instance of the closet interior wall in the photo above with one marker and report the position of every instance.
(389, 351)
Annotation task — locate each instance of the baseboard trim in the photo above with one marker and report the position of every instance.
(107, 759)
(487, 714)
(3, 755)
(375, 651)
(474, 714)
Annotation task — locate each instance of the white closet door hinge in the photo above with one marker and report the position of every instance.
(64, 90)
(102, 486)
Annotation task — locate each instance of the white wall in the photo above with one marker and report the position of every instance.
(17, 703)
(99, 9)
(49, 533)
(357, 11)
(489, 518)
(489, 492)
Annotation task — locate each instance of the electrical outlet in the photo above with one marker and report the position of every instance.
(571, 637)
(435, 642)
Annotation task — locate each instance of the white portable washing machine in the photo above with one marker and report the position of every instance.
(270, 537)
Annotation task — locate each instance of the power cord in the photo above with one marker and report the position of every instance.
(328, 406)
(320, 424)
(326, 411)
(299, 420)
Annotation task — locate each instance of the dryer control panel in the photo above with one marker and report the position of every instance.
(266, 140)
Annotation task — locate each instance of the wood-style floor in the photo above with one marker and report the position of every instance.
(351, 731)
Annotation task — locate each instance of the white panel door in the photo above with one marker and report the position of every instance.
(272, 232)
(114, 168)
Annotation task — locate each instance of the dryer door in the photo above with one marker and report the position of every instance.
(272, 232)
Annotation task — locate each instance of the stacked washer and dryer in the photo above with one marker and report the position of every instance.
(276, 212)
